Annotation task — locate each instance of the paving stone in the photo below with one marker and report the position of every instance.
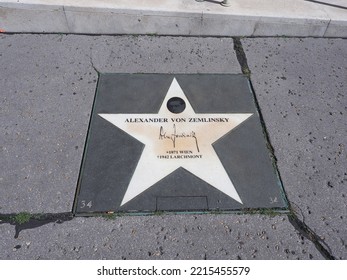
(155, 54)
(337, 25)
(301, 88)
(33, 18)
(160, 237)
(47, 87)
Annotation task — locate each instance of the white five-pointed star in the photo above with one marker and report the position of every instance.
(173, 141)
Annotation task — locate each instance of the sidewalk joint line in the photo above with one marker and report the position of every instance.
(327, 28)
(327, 4)
(67, 22)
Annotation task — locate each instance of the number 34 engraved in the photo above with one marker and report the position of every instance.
(85, 204)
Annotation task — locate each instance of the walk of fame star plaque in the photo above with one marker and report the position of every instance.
(164, 142)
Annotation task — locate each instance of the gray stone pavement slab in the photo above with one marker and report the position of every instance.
(301, 89)
(160, 237)
(47, 87)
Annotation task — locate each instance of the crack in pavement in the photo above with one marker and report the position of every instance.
(307, 232)
(33, 220)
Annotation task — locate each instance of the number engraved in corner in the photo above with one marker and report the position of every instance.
(85, 204)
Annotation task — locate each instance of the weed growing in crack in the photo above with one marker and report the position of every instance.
(22, 218)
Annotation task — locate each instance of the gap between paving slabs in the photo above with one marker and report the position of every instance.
(25, 220)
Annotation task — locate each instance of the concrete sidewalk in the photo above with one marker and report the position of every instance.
(325, 18)
(47, 87)
(48, 84)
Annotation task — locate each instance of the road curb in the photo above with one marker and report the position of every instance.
(181, 17)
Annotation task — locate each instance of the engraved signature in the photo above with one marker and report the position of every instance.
(173, 136)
